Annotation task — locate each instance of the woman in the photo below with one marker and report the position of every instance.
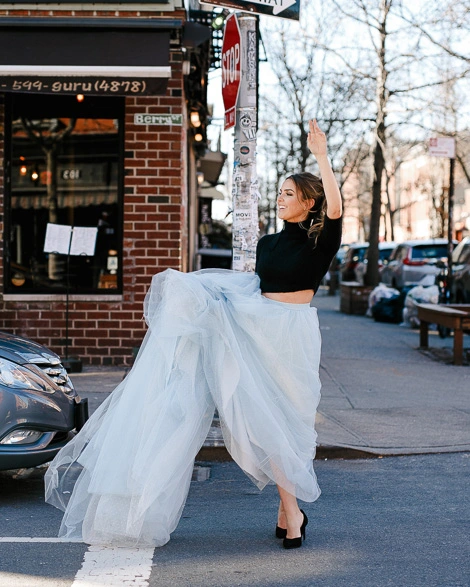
(215, 340)
(291, 265)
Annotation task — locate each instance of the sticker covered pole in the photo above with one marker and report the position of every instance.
(245, 192)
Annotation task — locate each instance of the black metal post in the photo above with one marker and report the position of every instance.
(72, 364)
(67, 291)
(450, 230)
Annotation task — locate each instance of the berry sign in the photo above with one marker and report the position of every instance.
(231, 69)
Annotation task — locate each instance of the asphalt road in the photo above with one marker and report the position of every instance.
(398, 521)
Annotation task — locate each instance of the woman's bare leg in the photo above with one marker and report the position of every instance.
(281, 516)
(293, 517)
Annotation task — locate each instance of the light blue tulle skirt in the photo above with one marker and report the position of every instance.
(213, 341)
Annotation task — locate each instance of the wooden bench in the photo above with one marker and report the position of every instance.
(454, 316)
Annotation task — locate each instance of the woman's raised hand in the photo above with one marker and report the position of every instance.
(316, 140)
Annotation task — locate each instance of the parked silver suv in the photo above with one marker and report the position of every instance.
(414, 259)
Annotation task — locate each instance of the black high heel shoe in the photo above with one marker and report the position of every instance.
(281, 532)
(296, 542)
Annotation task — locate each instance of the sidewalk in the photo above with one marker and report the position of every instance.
(380, 394)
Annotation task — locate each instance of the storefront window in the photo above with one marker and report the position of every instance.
(65, 167)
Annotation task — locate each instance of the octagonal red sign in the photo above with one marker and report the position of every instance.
(231, 69)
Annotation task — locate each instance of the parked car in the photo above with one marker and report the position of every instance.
(460, 286)
(414, 259)
(341, 254)
(385, 250)
(354, 255)
(39, 407)
(333, 277)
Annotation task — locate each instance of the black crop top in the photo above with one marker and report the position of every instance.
(289, 260)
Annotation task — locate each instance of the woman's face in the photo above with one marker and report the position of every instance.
(289, 205)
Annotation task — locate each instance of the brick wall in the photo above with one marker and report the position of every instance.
(155, 210)
(2, 154)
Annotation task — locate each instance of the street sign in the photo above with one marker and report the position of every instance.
(231, 69)
(280, 8)
(442, 147)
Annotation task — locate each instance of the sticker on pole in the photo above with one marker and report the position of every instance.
(231, 69)
(442, 147)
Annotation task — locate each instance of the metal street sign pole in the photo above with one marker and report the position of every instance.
(245, 191)
(450, 228)
(444, 147)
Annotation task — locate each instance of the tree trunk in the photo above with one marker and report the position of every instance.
(54, 265)
(372, 273)
(51, 163)
(389, 213)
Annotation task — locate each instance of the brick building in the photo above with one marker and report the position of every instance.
(95, 132)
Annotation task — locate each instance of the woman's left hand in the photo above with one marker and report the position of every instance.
(316, 140)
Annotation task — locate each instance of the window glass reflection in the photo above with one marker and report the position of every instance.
(64, 170)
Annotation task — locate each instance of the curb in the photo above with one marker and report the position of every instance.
(221, 455)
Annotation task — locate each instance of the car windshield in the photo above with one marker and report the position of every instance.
(357, 254)
(341, 254)
(429, 252)
(384, 254)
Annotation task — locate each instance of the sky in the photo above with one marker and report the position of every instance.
(216, 130)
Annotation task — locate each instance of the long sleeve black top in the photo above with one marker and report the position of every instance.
(291, 261)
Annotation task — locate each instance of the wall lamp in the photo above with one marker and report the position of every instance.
(195, 119)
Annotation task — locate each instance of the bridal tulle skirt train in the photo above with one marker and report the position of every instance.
(213, 341)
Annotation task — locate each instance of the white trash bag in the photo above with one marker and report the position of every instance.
(419, 294)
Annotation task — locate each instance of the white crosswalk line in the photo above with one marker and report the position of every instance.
(103, 565)
(115, 567)
(35, 539)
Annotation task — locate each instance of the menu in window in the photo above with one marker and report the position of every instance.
(83, 240)
(57, 238)
(80, 239)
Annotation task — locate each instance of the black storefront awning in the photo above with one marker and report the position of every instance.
(97, 56)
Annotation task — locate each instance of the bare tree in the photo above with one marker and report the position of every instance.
(445, 24)
(49, 137)
(404, 73)
(304, 87)
(370, 75)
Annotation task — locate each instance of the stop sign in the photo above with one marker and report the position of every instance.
(231, 69)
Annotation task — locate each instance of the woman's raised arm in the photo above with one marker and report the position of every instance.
(317, 144)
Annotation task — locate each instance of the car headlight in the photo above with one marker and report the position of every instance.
(24, 436)
(19, 377)
(40, 359)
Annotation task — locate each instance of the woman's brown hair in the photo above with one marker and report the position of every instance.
(310, 187)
